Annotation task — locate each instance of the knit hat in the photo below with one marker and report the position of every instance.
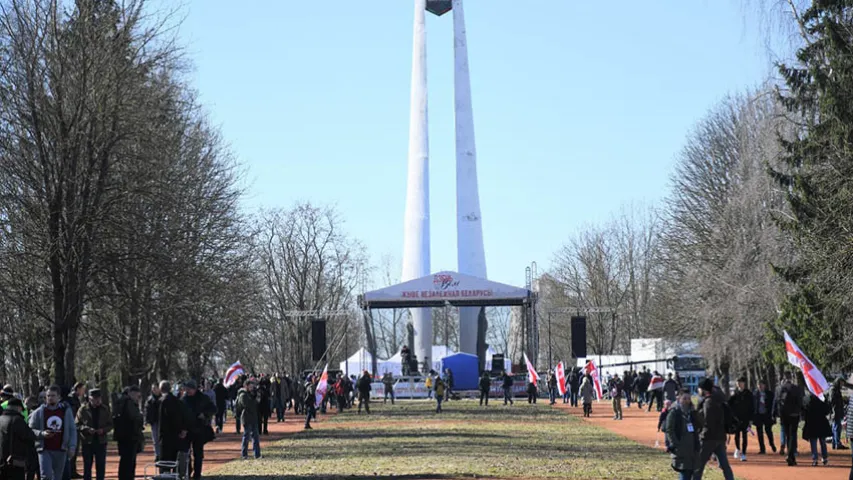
(706, 384)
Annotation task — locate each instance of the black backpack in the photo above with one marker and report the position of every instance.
(789, 404)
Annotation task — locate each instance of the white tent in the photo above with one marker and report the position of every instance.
(358, 362)
(395, 363)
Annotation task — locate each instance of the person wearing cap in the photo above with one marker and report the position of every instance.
(712, 433)
(247, 411)
(53, 422)
(129, 425)
(94, 422)
(16, 440)
(200, 412)
(8, 393)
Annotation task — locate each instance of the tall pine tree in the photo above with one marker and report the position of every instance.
(819, 180)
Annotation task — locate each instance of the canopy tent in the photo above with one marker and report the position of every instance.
(395, 363)
(358, 362)
(442, 288)
(465, 368)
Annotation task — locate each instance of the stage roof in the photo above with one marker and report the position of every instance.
(440, 288)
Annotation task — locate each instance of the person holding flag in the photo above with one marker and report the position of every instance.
(560, 372)
(532, 381)
(656, 392)
(591, 370)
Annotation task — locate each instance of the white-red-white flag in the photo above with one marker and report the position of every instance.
(592, 371)
(532, 376)
(656, 383)
(561, 378)
(233, 372)
(322, 387)
(814, 378)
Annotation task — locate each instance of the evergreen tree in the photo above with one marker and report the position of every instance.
(819, 180)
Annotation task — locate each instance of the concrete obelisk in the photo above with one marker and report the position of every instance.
(471, 255)
(416, 239)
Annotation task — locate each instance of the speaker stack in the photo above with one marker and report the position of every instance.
(579, 337)
(318, 340)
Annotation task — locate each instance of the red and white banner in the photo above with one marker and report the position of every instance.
(233, 372)
(592, 371)
(656, 383)
(561, 378)
(322, 386)
(532, 376)
(814, 379)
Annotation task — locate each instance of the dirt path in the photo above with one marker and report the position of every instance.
(641, 427)
(224, 449)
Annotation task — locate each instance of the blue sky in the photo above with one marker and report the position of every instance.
(577, 111)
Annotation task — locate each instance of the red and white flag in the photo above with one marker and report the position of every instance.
(561, 378)
(656, 383)
(322, 386)
(592, 371)
(233, 372)
(532, 376)
(814, 379)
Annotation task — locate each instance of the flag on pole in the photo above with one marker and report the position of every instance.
(532, 376)
(233, 372)
(592, 371)
(322, 386)
(561, 378)
(814, 379)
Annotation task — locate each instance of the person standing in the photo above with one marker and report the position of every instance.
(448, 383)
(763, 416)
(587, 392)
(836, 408)
(742, 405)
(439, 394)
(75, 401)
(670, 389)
(532, 392)
(172, 423)
(247, 409)
(485, 385)
(575, 382)
(428, 385)
(363, 386)
(94, 422)
(506, 384)
(221, 395)
(388, 383)
(713, 432)
(16, 440)
(53, 422)
(264, 405)
(128, 424)
(152, 412)
(682, 438)
(616, 390)
(790, 410)
(816, 427)
(310, 400)
(200, 411)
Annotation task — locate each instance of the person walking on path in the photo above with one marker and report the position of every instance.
(16, 440)
(172, 423)
(247, 409)
(616, 391)
(763, 416)
(485, 385)
(439, 394)
(428, 386)
(506, 384)
(836, 408)
(220, 393)
(53, 422)
(94, 422)
(742, 405)
(128, 424)
(790, 410)
(552, 387)
(682, 437)
(363, 386)
(670, 389)
(817, 427)
(713, 432)
(587, 393)
(200, 410)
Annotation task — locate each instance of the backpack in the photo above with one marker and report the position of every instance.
(789, 405)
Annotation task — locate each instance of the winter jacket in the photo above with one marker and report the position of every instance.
(670, 390)
(439, 389)
(172, 420)
(790, 400)
(69, 435)
(221, 394)
(87, 427)
(769, 403)
(742, 404)
(485, 383)
(683, 444)
(363, 386)
(587, 391)
(616, 388)
(16, 437)
(712, 417)
(128, 423)
(836, 402)
(152, 409)
(507, 382)
(816, 426)
(199, 405)
(247, 407)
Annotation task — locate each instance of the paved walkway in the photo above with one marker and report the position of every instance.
(641, 427)
(224, 449)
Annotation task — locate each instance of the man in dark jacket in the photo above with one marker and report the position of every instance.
(221, 394)
(363, 386)
(506, 385)
(200, 410)
(172, 421)
(712, 434)
(128, 424)
(94, 422)
(247, 409)
(790, 408)
(575, 383)
(742, 405)
(152, 414)
(763, 416)
(485, 386)
(16, 440)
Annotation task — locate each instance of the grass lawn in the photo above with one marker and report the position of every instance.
(409, 440)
